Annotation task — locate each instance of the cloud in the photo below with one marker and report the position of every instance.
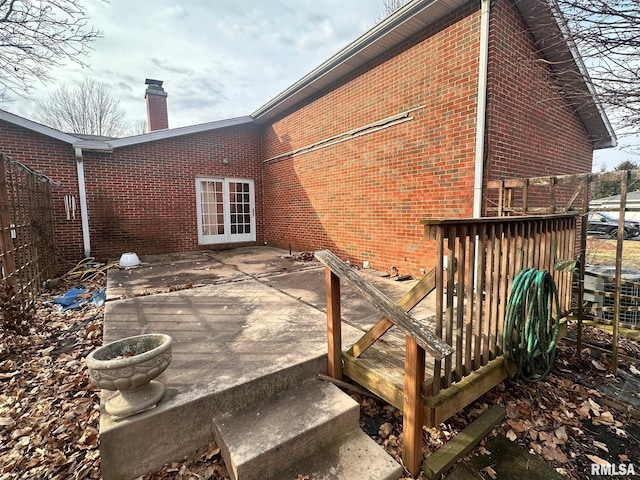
(217, 59)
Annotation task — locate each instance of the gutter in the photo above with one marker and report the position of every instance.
(84, 214)
(483, 68)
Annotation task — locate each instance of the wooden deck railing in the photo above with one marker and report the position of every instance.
(477, 260)
(418, 339)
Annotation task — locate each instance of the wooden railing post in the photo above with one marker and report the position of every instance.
(413, 411)
(334, 327)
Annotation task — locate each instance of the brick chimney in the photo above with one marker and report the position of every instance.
(156, 97)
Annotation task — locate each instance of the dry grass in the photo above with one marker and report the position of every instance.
(603, 252)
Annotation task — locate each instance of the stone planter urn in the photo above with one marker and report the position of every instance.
(129, 366)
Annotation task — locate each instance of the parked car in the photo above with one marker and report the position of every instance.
(602, 224)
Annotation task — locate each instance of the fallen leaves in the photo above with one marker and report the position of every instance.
(561, 435)
(601, 446)
(49, 412)
(606, 418)
(489, 470)
(598, 460)
(205, 464)
(48, 408)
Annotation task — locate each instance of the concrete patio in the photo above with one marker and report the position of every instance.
(251, 326)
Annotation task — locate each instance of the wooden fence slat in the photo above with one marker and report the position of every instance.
(27, 249)
(619, 246)
(495, 291)
(502, 295)
(501, 195)
(8, 257)
(461, 261)
(448, 324)
(548, 258)
(437, 364)
(479, 298)
(552, 195)
(471, 295)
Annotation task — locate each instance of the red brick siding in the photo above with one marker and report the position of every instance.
(531, 130)
(55, 159)
(142, 198)
(364, 198)
(157, 115)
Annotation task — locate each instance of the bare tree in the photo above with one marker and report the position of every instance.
(606, 33)
(139, 127)
(88, 108)
(387, 7)
(36, 36)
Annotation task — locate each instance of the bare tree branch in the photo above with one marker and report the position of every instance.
(387, 7)
(607, 35)
(88, 108)
(36, 36)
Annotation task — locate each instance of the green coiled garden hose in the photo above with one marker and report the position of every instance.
(530, 328)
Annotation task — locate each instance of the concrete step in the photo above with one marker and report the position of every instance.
(352, 456)
(144, 442)
(259, 441)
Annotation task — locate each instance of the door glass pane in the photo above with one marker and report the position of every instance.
(210, 200)
(240, 202)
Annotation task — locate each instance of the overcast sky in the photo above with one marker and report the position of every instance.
(218, 58)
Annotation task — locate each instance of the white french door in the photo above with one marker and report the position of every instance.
(226, 210)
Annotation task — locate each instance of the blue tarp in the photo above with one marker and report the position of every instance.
(70, 300)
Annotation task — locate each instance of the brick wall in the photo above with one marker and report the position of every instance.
(56, 160)
(142, 198)
(157, 115)
(364, 198)
(531, 130)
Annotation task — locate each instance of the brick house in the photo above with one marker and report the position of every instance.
(406, 123)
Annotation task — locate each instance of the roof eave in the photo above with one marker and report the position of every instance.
(37, 127)
(178, 132)
(559, 49)
(95, 146)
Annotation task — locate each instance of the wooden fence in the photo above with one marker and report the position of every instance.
(27, 250)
